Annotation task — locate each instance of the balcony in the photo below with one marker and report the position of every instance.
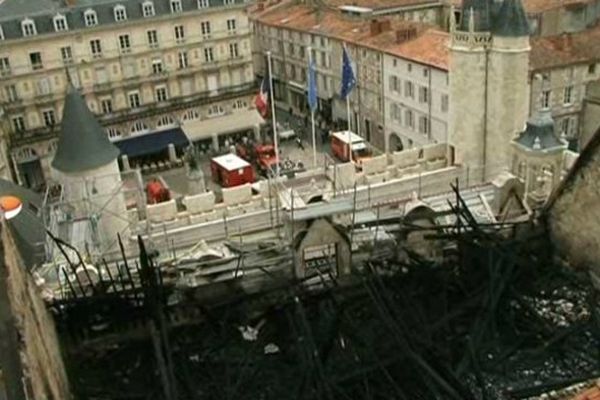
(33, 135)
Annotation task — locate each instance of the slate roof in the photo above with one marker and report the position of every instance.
(539, 134)
(12, 12)
(482, 14)
(83, 144)
(511, 20)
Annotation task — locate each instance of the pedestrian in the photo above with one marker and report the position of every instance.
(299, 143)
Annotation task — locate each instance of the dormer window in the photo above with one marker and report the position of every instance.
(28, 27)
(120, 13)
(203, 4)
(148, 9)
(175, 6)
(90, 18)
(60, 23)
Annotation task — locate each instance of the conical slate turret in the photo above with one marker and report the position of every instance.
(82, 144)
(511, 20)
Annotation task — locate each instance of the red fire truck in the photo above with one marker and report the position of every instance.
(230, 170)
(340, 147)
(261, 155)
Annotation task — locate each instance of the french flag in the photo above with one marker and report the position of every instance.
(262, 98)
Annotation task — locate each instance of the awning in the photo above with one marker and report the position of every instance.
(236, 122)
(151, 143)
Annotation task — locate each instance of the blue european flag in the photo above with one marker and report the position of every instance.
(348, 79)
(312, 86)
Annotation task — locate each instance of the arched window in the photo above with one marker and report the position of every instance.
(90, 18)
(25, 154)
(138, 127)
(120, 13)
(113, 133)
(191, 114)
(60, 23)
(28, 27)
(165, 121)
(147, 9)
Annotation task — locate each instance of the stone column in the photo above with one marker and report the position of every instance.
(257, 136)
(215, 143)
(172, 153)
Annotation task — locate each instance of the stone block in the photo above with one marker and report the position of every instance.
(161, 212)
(237, 195)
(432, 165)
(200, 203)
(409, 170)
(405, 158)
(375, 165)
(434, 151)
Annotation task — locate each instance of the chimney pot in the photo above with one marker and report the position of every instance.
(375, 27)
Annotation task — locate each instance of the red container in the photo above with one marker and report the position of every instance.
(230, 170)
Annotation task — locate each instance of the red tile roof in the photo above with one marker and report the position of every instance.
(566, 49)
(377, 4)
(589, 394)
(429, 46)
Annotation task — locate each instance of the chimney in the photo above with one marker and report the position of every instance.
(385, 25)
(375, 27)
(259, 6)
(405, 34)
(70, 3)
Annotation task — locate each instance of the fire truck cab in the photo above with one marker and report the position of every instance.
(340, 146)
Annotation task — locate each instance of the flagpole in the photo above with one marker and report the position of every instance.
(312, 112)
(273, 117)
(346, 58)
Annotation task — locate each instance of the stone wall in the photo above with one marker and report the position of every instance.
(237, 195)
(44, 375)
(573, 211)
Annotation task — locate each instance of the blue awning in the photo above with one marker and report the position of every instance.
(152, 143)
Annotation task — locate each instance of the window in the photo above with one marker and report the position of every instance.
(444, 103)
(233, 50)
(139, 127)
(124, 44)
(215, 110)
(4, 66)
(113, 133)
(18, 123)
(28, 27)
(205, 29)
(396, 112)
(66, 55)
(152, 39)
(147, 9)
(157, 67)
(120, 13)
(11, 93)
(134, 99)
(106, 106)
(423, 94)
(231, 25)
(48, 116)
(394, 83)
(90, 18)
(546, 97)
(409, 67)
(191, 115)
(179, 34)
(160, 93)
(176, 6)
(591, 67)
(410, 122)
(568, 95)
(60, 23)
(424, 125)
(239, 105)
(43, 86)
(564, 126)
(203, 4)
(425, 72)
(183, 59)
(208, 54)
(36, 60)
(165, 121)
(96, 48)
(409, 89)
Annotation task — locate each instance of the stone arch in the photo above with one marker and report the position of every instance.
(396, 142)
